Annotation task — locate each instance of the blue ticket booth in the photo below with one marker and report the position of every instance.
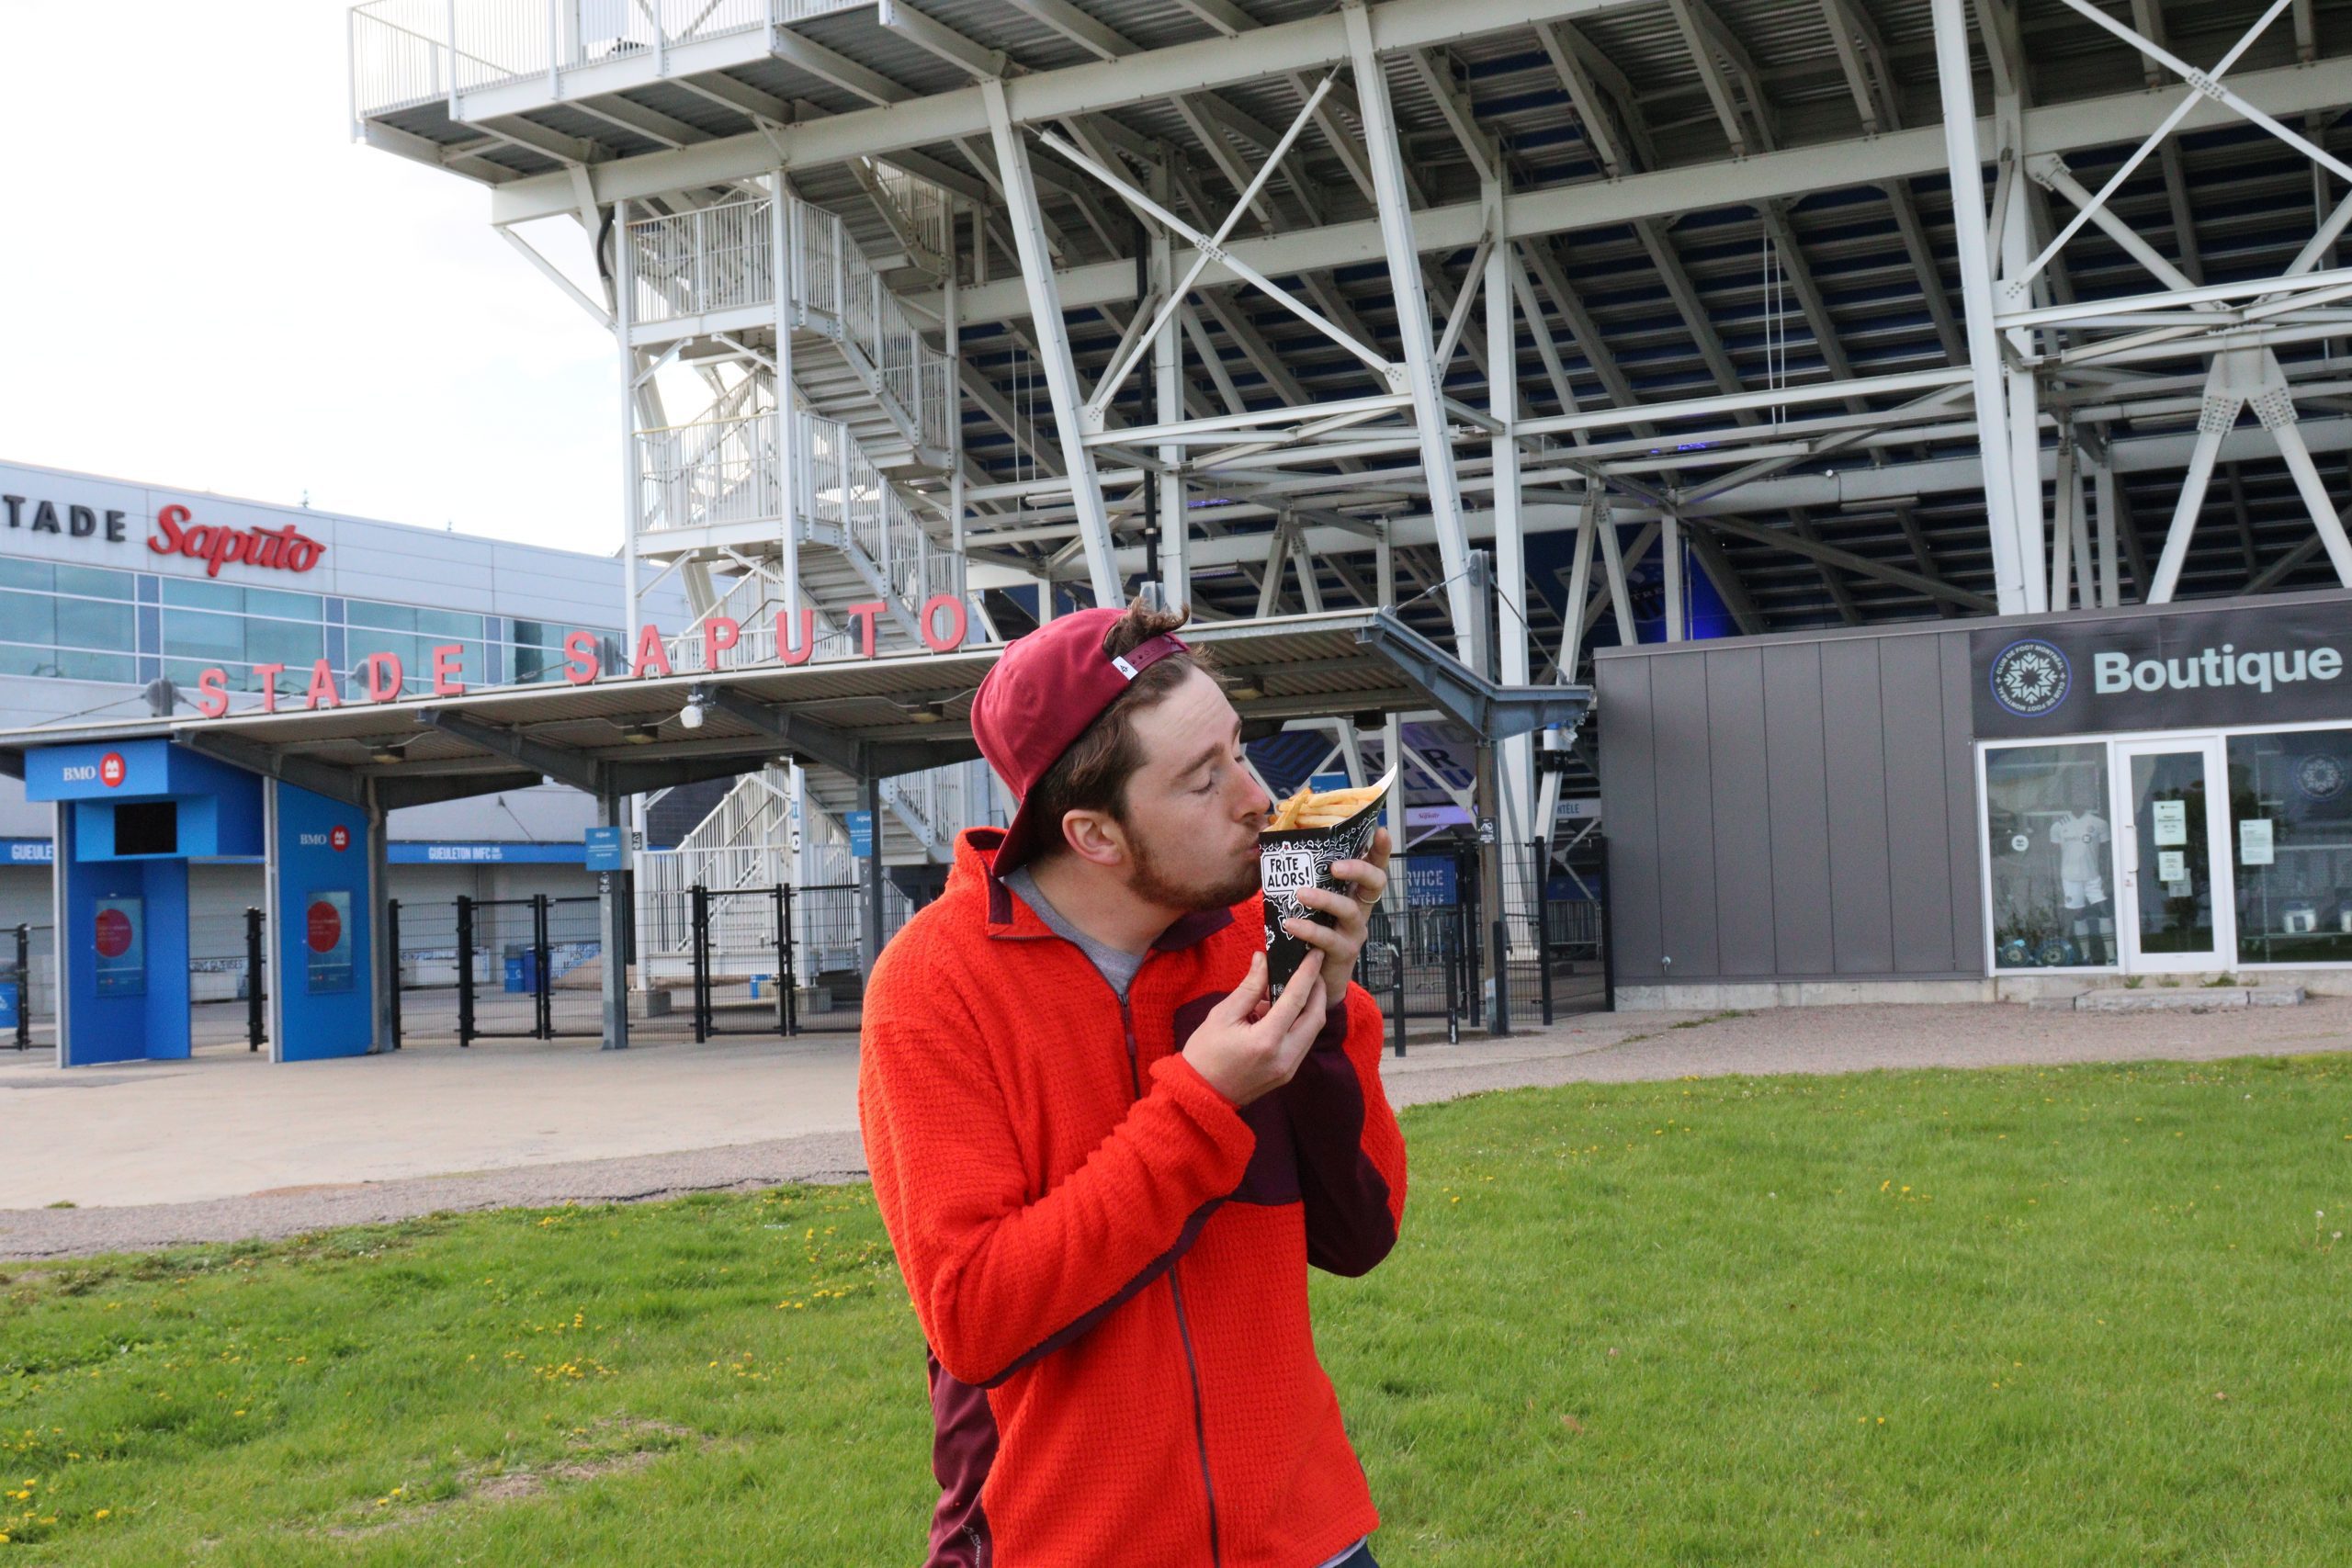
(131, 815)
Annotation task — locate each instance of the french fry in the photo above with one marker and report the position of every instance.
(1321, 808)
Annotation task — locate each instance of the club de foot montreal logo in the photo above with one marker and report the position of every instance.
(2320, 776)
(2031, 677)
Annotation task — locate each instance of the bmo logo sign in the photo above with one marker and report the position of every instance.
(110, 769)
(337, 839)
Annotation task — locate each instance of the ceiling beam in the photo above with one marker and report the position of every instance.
(273, 762)
(1792, 171)
(581, 773)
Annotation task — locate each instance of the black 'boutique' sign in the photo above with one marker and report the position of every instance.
(2195, 669)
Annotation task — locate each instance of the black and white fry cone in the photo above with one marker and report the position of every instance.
(1303, 857)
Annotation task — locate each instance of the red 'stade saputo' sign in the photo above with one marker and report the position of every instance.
(217, 544)
(943, 622)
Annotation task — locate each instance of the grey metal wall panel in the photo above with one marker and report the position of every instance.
(1961, 807)
(1741, 786)
(1798, 810)
(1679, 730)
(1918, 848)
(1628, 786)
(1860, 894)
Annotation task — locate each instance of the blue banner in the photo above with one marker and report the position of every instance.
(603, 850)
(861, 833)
(1429, 882)
(486, 853)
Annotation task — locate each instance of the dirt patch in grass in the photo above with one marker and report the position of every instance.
(643, 1440)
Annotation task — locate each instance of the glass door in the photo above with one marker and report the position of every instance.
(2173, 852)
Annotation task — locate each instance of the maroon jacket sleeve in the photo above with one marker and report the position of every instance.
(1350, 1151)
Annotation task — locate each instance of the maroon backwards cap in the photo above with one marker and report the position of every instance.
(1044, 692)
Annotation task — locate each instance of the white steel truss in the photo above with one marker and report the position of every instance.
(1229, 304)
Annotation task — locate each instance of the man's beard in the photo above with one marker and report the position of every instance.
(1157, 880)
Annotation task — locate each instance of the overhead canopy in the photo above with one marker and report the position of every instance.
(874, 718)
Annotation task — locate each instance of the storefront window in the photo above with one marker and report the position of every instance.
(2053, 862)
(2290, 805)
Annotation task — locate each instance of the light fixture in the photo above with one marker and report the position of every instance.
(1248, 692)
(697, 700)
(387, 756)
(640, 734)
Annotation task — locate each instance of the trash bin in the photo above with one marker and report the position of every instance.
(521, 969)
(756, 981)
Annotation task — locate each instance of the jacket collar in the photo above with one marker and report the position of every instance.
(1009, 916)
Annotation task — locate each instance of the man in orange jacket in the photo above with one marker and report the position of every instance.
(1105, 1161)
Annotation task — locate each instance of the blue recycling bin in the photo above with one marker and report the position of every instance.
(523, 969)
(756, 979)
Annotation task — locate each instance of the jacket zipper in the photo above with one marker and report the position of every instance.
(1183, 1329)
(1200, 1426)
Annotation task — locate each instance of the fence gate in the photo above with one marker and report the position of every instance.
(744, 961)
(524, 968)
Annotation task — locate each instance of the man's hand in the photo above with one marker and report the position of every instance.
(1243, 1059)
(1340, 942)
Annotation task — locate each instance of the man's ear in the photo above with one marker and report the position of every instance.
(1095, 837)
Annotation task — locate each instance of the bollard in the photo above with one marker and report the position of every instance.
(465, 971)
(256, 958)
(789, 945)
(24, 987)
(700, 907)
(392, 945)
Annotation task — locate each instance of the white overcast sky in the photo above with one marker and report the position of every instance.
(205, 283)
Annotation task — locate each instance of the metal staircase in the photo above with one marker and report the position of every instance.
(873, 416)
(814, 479)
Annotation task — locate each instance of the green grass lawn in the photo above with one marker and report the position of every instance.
(2082, 1315)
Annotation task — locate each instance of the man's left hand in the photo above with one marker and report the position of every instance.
(1352, 911)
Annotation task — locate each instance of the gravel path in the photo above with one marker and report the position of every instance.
(1602, 1048)
(291, 1210)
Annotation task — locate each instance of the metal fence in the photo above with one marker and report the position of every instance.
(407, 51)
(1426, 956)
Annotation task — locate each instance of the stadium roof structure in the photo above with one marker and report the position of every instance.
(1434, 273)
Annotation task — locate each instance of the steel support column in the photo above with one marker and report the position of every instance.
(785, 273)
(1413, 322)
(1167, 408)
(613, 916)
(870, 800)
(1953, 75)
(1053, 347)
(1518, 759)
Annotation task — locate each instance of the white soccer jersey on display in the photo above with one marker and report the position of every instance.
(2079, 836)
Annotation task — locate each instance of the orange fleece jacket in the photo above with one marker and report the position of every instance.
(1108, 1258)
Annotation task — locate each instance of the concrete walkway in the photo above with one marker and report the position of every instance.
(226, 1146)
